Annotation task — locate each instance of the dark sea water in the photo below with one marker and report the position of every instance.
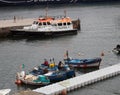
(100, 32)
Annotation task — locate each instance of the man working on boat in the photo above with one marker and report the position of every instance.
(60, 65)
(46, 62)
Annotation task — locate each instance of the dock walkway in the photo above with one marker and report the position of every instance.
(80, 81)
(17, 22)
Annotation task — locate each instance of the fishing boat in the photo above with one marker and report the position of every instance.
(54, 73)
(51, 73)
(116, 50)
(61, 74)
(30, 79)
(47, 26)
(83, 63)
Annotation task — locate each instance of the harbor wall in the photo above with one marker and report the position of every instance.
(4, 32)
(7, 25)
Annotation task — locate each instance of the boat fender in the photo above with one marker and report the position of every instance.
(21, 75)
(51, 65)
(18, 81)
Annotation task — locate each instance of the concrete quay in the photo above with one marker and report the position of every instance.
(6, 25)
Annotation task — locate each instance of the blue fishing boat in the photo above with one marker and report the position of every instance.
(50, 73)
(54, 73)
(61, 74)
(83, 63)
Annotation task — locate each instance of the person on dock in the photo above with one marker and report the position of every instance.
(14, 18)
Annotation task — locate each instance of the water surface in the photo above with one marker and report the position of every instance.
(100, 32)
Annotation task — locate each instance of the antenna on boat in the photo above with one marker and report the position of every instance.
(46, 10)
(66, 55)
(65, 13)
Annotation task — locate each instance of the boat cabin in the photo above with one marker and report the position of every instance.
(49, 23)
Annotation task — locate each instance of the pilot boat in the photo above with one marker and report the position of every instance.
(47, 26)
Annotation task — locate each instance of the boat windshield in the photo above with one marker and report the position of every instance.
(35, 22)
(48, 23)
(44, 23)
(68, 23)
(40, 24)
(59, 24)
(64, 23)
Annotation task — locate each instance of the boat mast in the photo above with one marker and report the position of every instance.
(67, 54)
(46, 10)
(65, 13)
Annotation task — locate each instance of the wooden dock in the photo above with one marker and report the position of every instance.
(80, 81)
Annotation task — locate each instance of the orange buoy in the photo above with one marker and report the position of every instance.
(64, 92)
(18, 82)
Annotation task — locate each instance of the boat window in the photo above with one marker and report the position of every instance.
(44, 23)
(48, 23)
(59, 24)
(36, 22)
(68, 23)
(40, 24)
(64, 23)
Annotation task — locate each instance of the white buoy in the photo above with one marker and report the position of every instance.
(5, 91)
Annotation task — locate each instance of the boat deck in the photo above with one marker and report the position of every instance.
(80, 81)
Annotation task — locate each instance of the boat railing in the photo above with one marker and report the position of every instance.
(55, 17)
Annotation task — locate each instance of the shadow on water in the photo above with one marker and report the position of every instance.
(32, 87)
(85, 70)
(25, 87)
(35, 38)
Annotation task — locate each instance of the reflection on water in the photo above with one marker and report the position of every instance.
(26, 87)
